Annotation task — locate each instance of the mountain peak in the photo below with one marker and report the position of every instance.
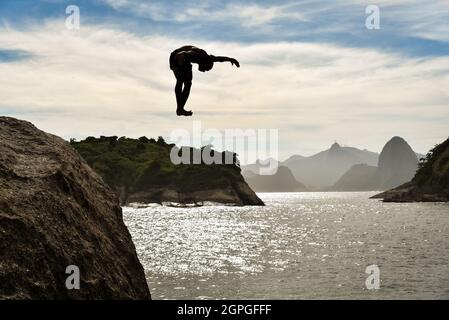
(397, 163)
(397, 140)
(335, 146)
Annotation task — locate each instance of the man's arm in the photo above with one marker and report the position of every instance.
(226, 59)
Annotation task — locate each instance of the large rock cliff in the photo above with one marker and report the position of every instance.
(55, 211)
(397, 163)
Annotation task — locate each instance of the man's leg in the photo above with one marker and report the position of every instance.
(179, 95)
(183, 77)
(186, 93)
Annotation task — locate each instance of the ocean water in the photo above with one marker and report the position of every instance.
(299, 246)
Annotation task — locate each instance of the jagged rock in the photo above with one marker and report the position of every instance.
(55, 212)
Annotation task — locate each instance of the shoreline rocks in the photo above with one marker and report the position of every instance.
(411, 192)
(239, 195)
(55, 211)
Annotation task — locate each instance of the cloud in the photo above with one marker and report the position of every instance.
(247, 15)
(426, 19)
(149, 9)
(100, 80)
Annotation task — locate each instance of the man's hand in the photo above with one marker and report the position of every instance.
(234, 62)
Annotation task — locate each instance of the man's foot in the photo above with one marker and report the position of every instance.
(184, 113)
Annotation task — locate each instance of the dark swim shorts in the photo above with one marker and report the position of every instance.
(182, 73)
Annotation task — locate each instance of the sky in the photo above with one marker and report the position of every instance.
(310, 69)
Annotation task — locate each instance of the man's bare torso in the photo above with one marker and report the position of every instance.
(187, 55)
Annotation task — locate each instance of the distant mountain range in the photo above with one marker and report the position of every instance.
(255, 167)
(343, 168)
(282, 181)
(397, 164)
(325, 168)
(361, 177)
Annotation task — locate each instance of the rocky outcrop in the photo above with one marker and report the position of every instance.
(412, 192)
(430, 183)
(282, 181)
(142, 170)
(239, 194)
(55, 211)
(397, 163)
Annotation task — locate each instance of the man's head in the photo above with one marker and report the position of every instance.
(206, 65)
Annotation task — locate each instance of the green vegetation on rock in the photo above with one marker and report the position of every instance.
(431, 181)
(434, 168)
(137, 165)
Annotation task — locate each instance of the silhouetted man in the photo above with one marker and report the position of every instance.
(181, 63)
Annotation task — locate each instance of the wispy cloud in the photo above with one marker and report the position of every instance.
(426, 19)
(105, 81)
(247, 15)
(416, 28)
(151, 9)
